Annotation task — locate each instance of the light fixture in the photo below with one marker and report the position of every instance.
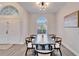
(42, 5)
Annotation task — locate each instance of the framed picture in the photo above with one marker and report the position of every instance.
(72, 20)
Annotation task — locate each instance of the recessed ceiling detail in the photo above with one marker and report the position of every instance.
(53, 7)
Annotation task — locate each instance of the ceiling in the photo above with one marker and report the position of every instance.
(53, 7)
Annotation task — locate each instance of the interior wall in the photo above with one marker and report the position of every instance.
(51, 23)
(70, 35)
(24, 16)
(25, 24)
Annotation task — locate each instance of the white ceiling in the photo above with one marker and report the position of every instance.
(53, 7)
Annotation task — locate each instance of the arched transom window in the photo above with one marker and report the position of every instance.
(9, 10)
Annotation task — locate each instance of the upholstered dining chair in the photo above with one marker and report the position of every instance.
(40, 52)
(29, 44)
(32, 35)
(57, 45)
(52, 35)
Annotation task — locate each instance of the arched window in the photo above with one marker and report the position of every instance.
(42, 20)
(42, 25)
(9, 10)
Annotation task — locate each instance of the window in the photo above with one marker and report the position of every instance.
(8, 10)
(41, 20)
(42, 27)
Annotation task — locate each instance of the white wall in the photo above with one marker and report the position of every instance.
(24, 25)
(51, 22)
(70, 35)
(24, 16)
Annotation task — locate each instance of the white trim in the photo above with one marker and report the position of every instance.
(5, 46)
(73, 51)
(9, 43)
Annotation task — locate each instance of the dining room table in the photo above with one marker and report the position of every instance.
(43, 40)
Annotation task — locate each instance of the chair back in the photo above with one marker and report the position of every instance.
(33, 35)
(58, 41)
(43, 50)
(28, 39)
(52, 36)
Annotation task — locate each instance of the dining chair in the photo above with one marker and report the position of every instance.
(29, 44)
(57, 45)
(52, 36)
(40, 52)
(32, 35)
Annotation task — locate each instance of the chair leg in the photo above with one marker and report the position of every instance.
(26, 52)
(60, 52)
(51, 54)
(36, 53)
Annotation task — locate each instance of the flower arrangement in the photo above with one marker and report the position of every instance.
(42, 28)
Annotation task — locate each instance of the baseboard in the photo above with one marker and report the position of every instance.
(77, 54)
(10, 43)
(5, 46)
